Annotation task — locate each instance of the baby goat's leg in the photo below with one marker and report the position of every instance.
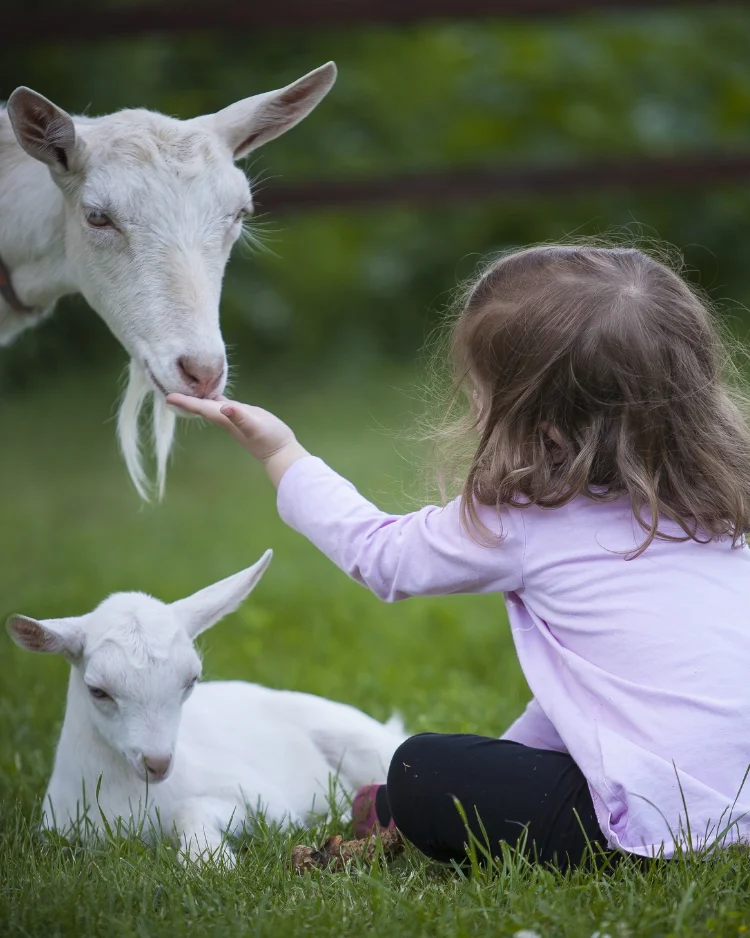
(199, 825)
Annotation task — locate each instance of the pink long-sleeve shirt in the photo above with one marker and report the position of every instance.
(639, 668)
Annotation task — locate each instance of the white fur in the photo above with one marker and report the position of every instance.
(175, 196)
(233, 748)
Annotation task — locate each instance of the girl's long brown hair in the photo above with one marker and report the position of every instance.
(599, 372)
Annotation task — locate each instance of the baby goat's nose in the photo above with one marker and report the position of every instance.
(157, 766)
(202, 376)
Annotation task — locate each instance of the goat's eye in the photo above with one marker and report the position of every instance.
(98, 219)
(98, 694)
(191, 684)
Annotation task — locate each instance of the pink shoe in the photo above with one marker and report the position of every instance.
(365, 815)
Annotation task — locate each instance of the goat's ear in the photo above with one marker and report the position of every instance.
(250, 123)
(53, 636)
(44, 130)
(204, 608)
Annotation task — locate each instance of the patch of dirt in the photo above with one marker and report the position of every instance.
(336, 852)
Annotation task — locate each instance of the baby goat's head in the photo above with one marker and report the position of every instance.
(134, 663)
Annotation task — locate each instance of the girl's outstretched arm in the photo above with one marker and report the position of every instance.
(424, 553)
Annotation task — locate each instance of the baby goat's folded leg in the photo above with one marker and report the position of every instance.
(199, 826)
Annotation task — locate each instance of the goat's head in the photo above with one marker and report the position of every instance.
(153, 206)
(134, 664)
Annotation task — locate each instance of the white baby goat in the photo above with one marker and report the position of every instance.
(195, 760)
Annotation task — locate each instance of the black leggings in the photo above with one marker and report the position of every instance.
(532, 798)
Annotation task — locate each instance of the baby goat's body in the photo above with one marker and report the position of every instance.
(145, 749)
(241, 748)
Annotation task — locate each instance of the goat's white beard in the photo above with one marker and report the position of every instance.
(163, 420)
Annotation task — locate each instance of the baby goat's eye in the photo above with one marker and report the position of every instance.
(191, 684)
(98, 694)
(98, 219)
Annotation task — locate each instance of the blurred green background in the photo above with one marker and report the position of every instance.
(327, 327)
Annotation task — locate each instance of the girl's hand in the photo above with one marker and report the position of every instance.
(261, 433)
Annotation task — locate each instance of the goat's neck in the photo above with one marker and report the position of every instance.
(32, 226)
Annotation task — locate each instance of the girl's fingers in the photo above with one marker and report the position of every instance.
(238, 415)
(211, 410)
(252, 427)
(249, 418)
(215, 412)
(184, 402)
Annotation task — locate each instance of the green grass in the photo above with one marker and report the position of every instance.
(73, 531)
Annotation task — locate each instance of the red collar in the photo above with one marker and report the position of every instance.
(9, 294)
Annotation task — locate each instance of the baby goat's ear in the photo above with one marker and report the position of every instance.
(204, 608)
(53, 636)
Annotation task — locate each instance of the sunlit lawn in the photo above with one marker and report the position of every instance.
(72, 531)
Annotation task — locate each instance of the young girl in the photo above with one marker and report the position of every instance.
(608, 499)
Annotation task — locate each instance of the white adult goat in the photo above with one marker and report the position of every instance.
(196, 761)
(138, 212)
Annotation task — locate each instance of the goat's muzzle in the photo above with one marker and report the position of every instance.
(157, 767)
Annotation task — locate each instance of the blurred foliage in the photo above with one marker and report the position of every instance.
(348, 284)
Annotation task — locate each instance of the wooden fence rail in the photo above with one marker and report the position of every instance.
(34, 22)
(436, 189)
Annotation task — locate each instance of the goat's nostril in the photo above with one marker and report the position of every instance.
(202, 376)
(188, 368)
(157, 766)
